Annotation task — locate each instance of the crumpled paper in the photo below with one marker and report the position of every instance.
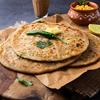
(63, 76)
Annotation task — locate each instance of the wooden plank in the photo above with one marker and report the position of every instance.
(38, 91)
(10, 88)
(7, 77)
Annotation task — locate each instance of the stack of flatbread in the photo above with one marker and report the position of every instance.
(21, 53)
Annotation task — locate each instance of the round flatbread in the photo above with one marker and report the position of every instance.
(26, 45)
(9, 59)
(92, 54)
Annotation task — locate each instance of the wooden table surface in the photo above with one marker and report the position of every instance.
(10, 88)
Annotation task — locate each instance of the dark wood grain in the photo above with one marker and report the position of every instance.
(6, 78)
(35, 92)
(10, 88)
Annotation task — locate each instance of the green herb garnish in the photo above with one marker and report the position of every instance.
(41, 45)
(82, 2)
(26, 83)
(46, 34)
(23, 26)
(40, 21)
(48, 43)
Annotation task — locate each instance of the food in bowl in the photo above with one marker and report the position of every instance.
(82, 7)
(83, 17)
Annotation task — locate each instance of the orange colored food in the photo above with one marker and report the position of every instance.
(82, 7)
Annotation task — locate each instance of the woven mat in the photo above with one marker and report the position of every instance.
(87, 84)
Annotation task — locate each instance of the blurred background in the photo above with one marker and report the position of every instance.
(18, 10)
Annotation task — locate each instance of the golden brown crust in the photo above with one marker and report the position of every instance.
(9, 59)
(92, 54)
(25, 45)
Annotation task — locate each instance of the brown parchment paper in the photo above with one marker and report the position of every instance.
(61, 77)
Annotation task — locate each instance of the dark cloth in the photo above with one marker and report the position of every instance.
(87, 84)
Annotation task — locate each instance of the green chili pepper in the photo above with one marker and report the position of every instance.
(40, 21)
(46, 34)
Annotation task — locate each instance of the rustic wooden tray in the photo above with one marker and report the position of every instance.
(10, 88)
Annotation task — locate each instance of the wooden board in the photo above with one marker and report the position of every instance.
(10, 88)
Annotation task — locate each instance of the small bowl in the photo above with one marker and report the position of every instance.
(83, 17)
